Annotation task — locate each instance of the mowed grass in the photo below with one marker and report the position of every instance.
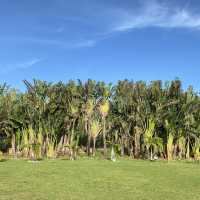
(99, 179)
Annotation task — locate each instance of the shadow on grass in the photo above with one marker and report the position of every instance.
(3, 160)
(192, 162)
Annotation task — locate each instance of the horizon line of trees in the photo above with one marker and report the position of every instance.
(134, 118)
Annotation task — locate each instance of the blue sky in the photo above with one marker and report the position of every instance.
(100, 39)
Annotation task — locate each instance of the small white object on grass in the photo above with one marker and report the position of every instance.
(113, 157)
(155, 157)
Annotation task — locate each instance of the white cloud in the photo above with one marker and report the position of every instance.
(107, 20)
(65, 43)
(85, 43)
(28, 64)
(154, 14)
(19, 66)
(62, 43)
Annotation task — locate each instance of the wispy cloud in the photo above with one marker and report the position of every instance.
(62, 43)
(72, 31)
(155, 14)
(20, 66)
(85, 43)
(28, 64)
(78, 43)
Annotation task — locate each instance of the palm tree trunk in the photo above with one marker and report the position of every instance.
(94, 146)
(175, 152)
(13, 141)
(188, 149)
(60, 144)
(131, 150)
(66, 143)
(88, 144)
(72, 140)
(104, 137)
(151, 153)
(122, 146)
(88, 138)
(137, 145)
(72, 134)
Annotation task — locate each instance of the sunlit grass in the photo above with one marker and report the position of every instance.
(99, 179)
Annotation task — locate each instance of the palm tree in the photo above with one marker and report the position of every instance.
(151, 141)
(104, 109)
(95, 130)
(64, 117)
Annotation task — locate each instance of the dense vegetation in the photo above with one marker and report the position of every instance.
(132, 118)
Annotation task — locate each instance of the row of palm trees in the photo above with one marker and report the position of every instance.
(134, 119)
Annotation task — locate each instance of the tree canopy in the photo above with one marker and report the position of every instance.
(140, 120)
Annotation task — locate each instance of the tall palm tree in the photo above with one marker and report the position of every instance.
(151, 141)
(95, 130)
(104, 107)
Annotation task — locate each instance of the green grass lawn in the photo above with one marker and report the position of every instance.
(99, 179)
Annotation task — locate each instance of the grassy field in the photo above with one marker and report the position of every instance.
(99, 179)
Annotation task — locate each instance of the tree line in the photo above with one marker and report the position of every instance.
(134, 119)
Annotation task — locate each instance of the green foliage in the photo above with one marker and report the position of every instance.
(170, 140)
(52, 119)
(153, 143)
(181, 145)
(196, 149)
(95, 128)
